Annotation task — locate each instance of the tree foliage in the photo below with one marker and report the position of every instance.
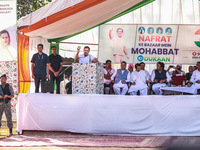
(25, 7)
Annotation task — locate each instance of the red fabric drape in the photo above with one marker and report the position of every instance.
(23, 63)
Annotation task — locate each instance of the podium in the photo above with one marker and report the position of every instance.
(87, 78)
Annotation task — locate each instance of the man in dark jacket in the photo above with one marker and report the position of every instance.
(56, 65)
(159, 77)
(6, 94)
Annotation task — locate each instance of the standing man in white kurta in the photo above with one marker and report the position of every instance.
(121, 79)
(196, 78)
(159, 78)
(119, 48)
(85, 57)
(138, 79)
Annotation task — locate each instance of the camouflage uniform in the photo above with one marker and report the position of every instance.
(7, 108)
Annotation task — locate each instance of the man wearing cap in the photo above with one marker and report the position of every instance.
(130, 67)
(6, 94)
(138, 79)
(178, 70)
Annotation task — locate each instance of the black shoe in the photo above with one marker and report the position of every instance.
(10, 132)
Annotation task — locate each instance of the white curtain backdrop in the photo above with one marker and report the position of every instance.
(157, 12)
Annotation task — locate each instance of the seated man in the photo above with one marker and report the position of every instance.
(138, 80)
(177, 72)
(121, 78)
(195, 68)
(142, 67)
(63, 84)
(196, 78)
(159, 78)
(108, 72)
(189, 74)
(130, 69)
(85, 57)
(68, 86)
(153, 71)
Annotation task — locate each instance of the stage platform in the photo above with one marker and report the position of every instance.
(110, 114)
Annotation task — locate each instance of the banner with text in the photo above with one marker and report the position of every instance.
(8, 46)
(8, 30)
(150, 43)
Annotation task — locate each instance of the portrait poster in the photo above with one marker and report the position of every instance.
(8, 47)
(151, 43)
(116, 42)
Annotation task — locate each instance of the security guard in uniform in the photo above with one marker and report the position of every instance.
(6, 94)
(40, 68)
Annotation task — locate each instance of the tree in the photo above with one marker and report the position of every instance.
(25, 7)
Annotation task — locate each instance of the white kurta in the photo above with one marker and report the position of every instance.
(85, 59)
(195, 77)
(156, 86)
(106, 81)
(8, 53)
(119, 85)
(112, 71)
(140, 79)
(118, 49)
(62, 86)
(147, 75)
(118, 44)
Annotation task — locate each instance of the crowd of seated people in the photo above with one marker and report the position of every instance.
(137, 81)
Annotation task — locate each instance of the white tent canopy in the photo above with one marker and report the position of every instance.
(46, 11)
(157, 12)
(60, 19)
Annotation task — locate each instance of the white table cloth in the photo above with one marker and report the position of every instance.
(190, 90)
(110, 114)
